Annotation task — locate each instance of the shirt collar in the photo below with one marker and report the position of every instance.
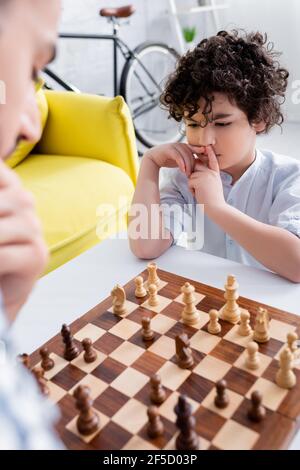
(227, 178)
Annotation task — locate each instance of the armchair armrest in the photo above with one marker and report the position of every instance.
(90, 126)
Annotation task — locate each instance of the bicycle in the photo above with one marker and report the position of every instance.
(142, 79)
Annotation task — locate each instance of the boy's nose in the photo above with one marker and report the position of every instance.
(30, 125)
(206, 137)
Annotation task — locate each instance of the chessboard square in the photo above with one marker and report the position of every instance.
(110, 401)
(127, 353)
(264, 362)
(56, 393)
(59, 364)
(148, 363)
(172, 376)
(272, 395)
(90, 331)
(88, 366)
(130, 307)
(130, 382)
(212, 368)
(164, 347)
(239, 380)
(161, 323)
(208, 423)
(125, 328)
(236, 338)
(108, 370)
(204, 342)
(72, 427)
(132, 416)
(167, 408)
(279, 329)
(163, 303)
(137, 443)
(108, 343)
(68, 377)
(196, 387)
(234, 402)
(234, 436)
(227, 351)
(198, 297)
(96, 386)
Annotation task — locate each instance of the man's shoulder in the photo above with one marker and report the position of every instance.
(279, 167)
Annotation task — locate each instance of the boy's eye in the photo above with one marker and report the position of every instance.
(223, 124)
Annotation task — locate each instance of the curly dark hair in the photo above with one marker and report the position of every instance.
(242, 65)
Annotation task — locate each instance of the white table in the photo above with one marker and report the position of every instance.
(73, 289)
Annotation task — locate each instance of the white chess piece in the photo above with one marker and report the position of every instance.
(152, 275)
(214, 326)
(119, 300)
(261, 328)
(231, 310)
(153, 300)
(285, 377)
(252, 359)
(140, 290)
(291, 339)
(245, 328)
(190, 315)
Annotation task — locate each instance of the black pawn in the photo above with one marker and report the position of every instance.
(71, 351)
(155, 426)
(187, 438)
(221, 399)
(257, 412)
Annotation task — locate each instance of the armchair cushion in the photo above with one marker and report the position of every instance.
(24, 147)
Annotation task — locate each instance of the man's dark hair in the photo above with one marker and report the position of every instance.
(242, 66)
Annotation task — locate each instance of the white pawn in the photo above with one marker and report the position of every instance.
(190, 315)
(140, 290)
(291, 339)
(214, 326)
(285, 377)
(153, 300)
(252, 360)
(245, 328)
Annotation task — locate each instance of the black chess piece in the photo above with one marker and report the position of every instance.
(257, 411)
(221, 399)
(158, 394)
(71, 351)
(187, 438)
(88, 420)
(155, 425)
(90, 354)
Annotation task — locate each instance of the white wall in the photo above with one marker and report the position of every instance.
(89, 64)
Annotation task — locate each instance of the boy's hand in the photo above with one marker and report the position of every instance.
(172, 156)
(23, 253)
(205, 182)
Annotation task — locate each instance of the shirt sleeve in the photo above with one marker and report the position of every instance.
(285, 209)
(172, 201)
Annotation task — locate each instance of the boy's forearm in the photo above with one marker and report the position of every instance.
(275, 248)
(147, 194)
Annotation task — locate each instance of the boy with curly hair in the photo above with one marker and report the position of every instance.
(227, 90)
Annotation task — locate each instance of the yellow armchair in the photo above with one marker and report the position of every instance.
(82, 172)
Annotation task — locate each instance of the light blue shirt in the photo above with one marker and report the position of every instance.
(268, 191)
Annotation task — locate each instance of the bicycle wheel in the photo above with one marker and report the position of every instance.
(142, 83)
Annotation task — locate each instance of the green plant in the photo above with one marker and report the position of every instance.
(189, 34)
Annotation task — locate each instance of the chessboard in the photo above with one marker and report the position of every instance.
(119, 376)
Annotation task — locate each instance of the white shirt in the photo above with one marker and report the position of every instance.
(26, 417)
(268, 191)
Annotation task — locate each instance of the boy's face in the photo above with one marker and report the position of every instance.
(230, 133)
(28, 30)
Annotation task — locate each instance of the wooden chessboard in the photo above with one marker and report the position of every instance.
(119, 379)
